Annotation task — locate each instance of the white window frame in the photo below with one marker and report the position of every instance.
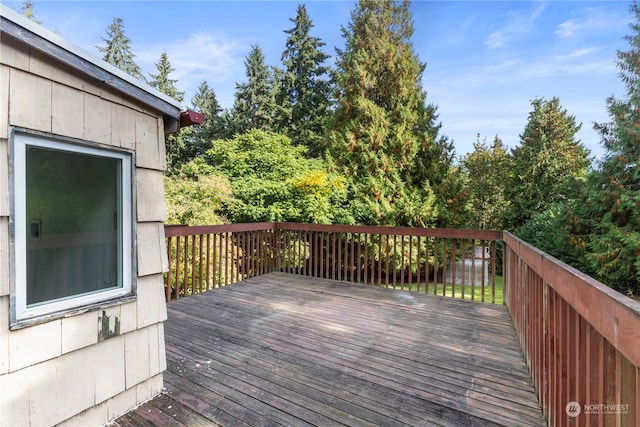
(21, 311)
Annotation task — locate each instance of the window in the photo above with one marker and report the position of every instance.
(72, 215)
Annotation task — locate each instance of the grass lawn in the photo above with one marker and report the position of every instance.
(477, 290)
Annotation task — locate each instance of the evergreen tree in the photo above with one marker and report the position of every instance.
(383, 134)
(606, 221)
(488, 169)
(254, 104)
(229, 127)
(435, 164)
(117, 51)
(27, 11)
(547, 163)
(178, 150)
(305, 89)
(206, 102)
(163, 82)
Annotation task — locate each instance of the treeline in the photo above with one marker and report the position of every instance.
(358, 143)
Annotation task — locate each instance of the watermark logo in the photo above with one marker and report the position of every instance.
(573, 409)
(606, 409)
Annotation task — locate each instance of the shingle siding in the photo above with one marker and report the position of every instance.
(60, 371)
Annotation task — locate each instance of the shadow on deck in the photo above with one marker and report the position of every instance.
(282, 349)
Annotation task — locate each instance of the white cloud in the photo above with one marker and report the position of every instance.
(568, 28)
(538, 10)
(593, 20)
(518, 23)
(521, 70)
(585, 61)
(201, 56)
(495, 39)
(207, 54)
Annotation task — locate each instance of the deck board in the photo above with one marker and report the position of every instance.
(282, 349)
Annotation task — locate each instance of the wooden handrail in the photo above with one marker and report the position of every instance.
(192, 230)
(445, 233)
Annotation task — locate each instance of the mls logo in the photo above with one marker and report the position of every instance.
(572, 409)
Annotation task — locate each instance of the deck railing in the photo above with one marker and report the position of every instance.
(581, 339)
(207, 257)
(455, 263)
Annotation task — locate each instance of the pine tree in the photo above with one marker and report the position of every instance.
(254, 104)
(606, 221)
(547, 162)
(229, 127)
(206, 102)
(177, 147)
(382, 128)
(162, 81)
(305, 88)
(117, 50)
(488, 169)
(435, 164)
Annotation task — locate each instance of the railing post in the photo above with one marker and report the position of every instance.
(278, 245)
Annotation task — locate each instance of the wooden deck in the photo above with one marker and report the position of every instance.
(281, 349)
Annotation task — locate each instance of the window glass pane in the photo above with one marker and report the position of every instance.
(74, 224)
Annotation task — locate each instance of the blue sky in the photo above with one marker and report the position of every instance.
(485, 61)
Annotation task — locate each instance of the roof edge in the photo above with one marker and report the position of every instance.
(81, 59)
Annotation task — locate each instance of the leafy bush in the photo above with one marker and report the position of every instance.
(196, 194)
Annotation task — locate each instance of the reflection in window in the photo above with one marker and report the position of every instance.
(73, 206)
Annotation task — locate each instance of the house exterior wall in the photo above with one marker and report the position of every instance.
(60, 371)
